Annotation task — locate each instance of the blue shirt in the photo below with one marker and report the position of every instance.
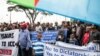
(24, 39)
(38, 48)
(65, 34)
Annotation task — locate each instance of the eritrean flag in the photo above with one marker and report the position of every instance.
(26, 3)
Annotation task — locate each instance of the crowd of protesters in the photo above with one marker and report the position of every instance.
(78, 33)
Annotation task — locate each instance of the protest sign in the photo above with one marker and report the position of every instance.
(63, 44)
(90, 47)
(47, 36)
(7, 43)
(52, 50)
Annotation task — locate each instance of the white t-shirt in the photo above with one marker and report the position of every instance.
(38, 28)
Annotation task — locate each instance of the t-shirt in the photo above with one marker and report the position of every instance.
(85, 38)
(38, 48)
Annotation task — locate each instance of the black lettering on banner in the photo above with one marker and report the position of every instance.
(49, 54)
(48, 48)
(11, 44)
(4, 43)
(55, 50)
(56, 55)
(7, 35)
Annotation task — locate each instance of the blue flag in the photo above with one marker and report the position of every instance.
(84, 10)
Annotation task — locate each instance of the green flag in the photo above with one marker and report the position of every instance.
(25, 3)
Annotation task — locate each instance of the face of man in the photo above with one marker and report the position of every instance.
(88, 28)
(23, 26)
(39, 36)
(56, 23)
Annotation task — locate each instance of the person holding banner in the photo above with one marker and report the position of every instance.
(24, 40)
(94, 45)
(60, 36)
(73, 39)
(86, 36)
(66, 31)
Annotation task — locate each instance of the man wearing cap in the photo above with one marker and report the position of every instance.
(24, 40)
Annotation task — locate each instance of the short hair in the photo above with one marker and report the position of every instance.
(96, 36)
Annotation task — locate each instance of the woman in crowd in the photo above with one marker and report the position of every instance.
(86, 36)
(94, 45)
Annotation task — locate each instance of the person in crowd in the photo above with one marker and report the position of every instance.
(56, 26)
(73, 39)
(62, 25)
(86, 36)
(43, 26)
(47, 26)
(73, 28)
(30, 28)
(24, 40)
(1, 28)
(33, 27)
(51, 27)
(60, 36)
(92, 32)
(69, 30)
(79, 32)
(94, 45)
(38, 27)
(10, 27)
(5, 26)
(38, 45)
(66, 31)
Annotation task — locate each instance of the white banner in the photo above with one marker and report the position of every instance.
(90, 47)
(7, 43)
(67, 45)
(52, 50)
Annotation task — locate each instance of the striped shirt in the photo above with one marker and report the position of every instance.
(38, 48)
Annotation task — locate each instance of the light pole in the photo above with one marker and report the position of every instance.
(10, 17)
(10, 9)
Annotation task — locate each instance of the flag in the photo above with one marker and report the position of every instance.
(84, 10)
(26, 3)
